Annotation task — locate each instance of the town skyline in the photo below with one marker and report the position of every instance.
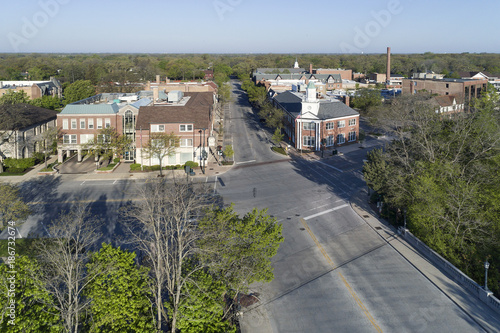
(243, 27)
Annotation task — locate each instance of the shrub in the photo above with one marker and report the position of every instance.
(39, 157)
(135, 167)
(15, 170)
(191, 164)
(116, 160)
(21, 163)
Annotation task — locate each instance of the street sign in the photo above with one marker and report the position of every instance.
(211, 141)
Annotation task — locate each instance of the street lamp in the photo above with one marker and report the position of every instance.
(486, 266)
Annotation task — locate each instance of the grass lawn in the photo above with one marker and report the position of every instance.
(107, 168)
(279, 150)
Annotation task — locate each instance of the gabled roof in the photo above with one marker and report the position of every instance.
(292, 102)
(196, 111)
(19, 116)
(91, 109)
(446, 100)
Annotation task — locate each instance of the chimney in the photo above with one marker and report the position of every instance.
(158, 79)
(156, 94)
(346, 100)
(388, 76)
(310, 68)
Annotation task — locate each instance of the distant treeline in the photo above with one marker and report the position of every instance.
(122, 68)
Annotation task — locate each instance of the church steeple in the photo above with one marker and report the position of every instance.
(296, 65)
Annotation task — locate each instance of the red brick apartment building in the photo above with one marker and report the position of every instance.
(315, 124)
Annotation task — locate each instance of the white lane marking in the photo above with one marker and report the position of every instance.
(83, 183)
(325, 212)
(115, 181)
(331, 166)
(215, 184)
(19, 233)
(246, 162)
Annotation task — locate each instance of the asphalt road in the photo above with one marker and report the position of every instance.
(333, 273)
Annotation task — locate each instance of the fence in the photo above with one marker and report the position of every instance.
(478, 291)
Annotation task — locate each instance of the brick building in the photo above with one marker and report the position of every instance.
(312, 123)
(81, 121)
(33, 89)
(191, 118)
(464, 90)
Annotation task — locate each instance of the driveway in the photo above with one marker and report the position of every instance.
(73, 167)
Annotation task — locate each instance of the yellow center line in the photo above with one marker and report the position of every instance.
(351, 291)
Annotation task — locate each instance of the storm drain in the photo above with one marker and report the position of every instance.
(378, 228)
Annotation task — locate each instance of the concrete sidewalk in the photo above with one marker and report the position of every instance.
(470, 305)
(212, 168)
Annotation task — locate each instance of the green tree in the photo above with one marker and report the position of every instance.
(47, 102)
(78, 90)
(278, 136)
(366, 99)
(109, 143)
(203, 307)
(15, 97)
(161, 145)
(31, 314)
(119, 292)
(228, 151)
(238, 250)
(273, 116)
(12, 206)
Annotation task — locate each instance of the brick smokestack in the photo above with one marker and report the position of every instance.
(158, 79)
(310, 68)
(388, 76)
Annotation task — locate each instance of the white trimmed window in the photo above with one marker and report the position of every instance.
(186, 128)
(73, 123)
(352, 136)
(309, 140)
(69, 139)
(91, 123)
(99, 123)
(157, 128)
(352, 122)
(85, 138)
(340, 139)
(309, 126)
(329, 126)
(330, 141)
(107, 123)
(341, 123)
(186, 142)
(82, 123)
(65, 124)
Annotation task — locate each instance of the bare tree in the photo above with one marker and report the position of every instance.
(163, 223)
(63, 257)
(161, 145)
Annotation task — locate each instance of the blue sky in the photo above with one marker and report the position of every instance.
(249, 26)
